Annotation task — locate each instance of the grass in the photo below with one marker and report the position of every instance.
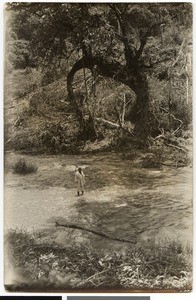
(150, 265)
(23, 167)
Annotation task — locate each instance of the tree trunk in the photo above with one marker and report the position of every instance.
(140, 112)
(90, 129)
(132, 77)
(87, 129)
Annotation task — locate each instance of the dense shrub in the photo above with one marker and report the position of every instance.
(23, 167)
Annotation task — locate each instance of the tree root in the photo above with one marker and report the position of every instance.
(74, 226)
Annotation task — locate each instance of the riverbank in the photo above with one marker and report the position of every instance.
(145, 267)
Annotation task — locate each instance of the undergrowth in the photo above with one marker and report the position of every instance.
(149, 265)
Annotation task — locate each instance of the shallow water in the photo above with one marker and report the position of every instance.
(121, 198)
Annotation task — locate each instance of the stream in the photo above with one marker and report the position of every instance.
(121, 198)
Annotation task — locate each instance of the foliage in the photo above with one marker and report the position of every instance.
(23, 167)
(150, 265)
(69, 25)
(147, 47)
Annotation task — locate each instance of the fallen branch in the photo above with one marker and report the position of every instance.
(112, 125)
(108, 123)
(176, 119)
(166, 111)
(16, 123)
(74, 226)
(8, 141)
(176, 147)
(162, 136)
(176, 130)
(91, 277)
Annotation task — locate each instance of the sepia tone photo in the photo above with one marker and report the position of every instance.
(98, 147)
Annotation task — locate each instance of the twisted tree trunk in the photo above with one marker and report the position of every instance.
(134, 78)
(86, 127)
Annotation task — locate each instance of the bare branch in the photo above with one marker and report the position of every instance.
(71, 52)
(124, 110)
(179, 54)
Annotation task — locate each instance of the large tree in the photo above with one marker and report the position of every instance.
(119, 41)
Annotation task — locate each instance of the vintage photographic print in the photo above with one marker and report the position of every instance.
(98, 147)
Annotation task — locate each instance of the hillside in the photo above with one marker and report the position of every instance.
(39, 120)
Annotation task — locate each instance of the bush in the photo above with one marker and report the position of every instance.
(23, 167)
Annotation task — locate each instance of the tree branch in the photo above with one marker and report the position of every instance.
(129, 50)
(180, 51)
(104, 67)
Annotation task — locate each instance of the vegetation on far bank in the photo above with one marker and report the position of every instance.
(38, 123)
(41, 265)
